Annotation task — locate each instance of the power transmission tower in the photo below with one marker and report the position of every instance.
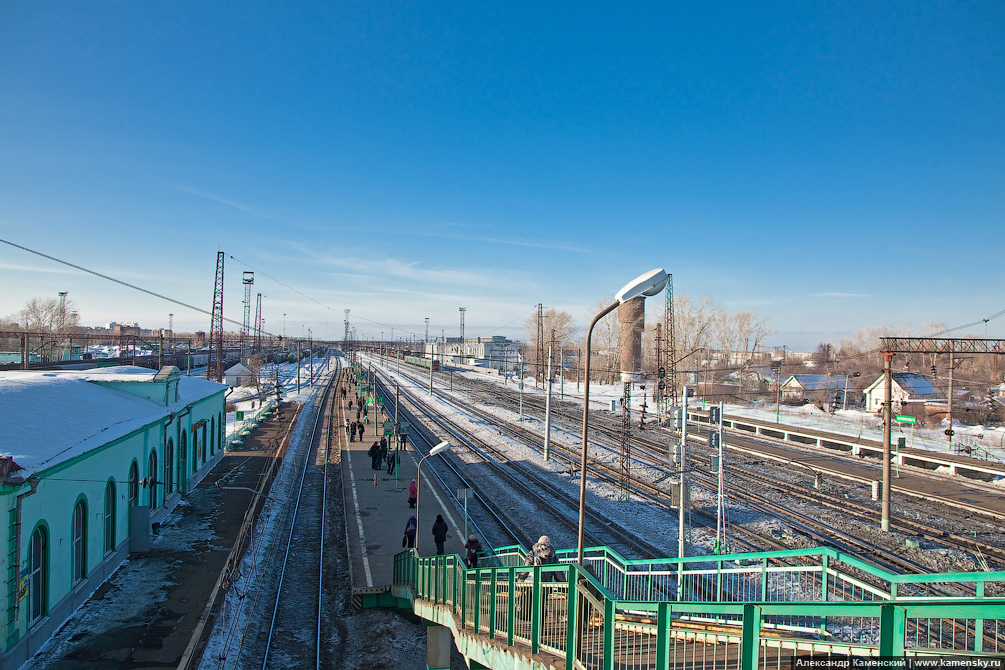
(258, 325)
(427, 332)
(667, 358)
(540, 344)
(215, 368)
(460, 347)
(345, 338)
(248, 280)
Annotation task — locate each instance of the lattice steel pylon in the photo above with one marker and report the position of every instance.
(248, 279)
(258, 325)
(345, 338)
(626, 443)
(666, 344)
(215, 368)
(540, 344)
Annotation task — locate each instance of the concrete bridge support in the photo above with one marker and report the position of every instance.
(439, 641)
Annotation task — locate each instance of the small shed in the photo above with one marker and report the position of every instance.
(907, 387)
(236, 375)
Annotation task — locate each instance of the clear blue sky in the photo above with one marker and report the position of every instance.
(830, 165)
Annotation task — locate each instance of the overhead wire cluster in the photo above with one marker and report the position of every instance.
(235, 322)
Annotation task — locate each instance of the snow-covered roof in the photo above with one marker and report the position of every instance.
(915, 384)
(49, 417)
(818, 382)
(237, 369)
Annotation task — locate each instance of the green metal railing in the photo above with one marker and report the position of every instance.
(743, 611)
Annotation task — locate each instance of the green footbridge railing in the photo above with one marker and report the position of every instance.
(743, 611)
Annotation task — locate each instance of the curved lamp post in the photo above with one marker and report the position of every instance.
(441, 447)
(649, 284)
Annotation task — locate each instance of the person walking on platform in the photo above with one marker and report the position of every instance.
(473, 546)
(352, 432)
(374, 454)
(347, 427)
(350, 405)
(439, 533)
(392, 461)
(343, 394)
(413, 493)
(359, 429)
(383, 451)
(411, 526)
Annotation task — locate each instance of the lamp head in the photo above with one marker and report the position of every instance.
(648, 284)
(441, 447)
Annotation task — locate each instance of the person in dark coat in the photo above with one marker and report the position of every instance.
(359, 429)
(350, 405)
(542, 553)
(374, 454)
(410, 527)
(413, 493)
(473, 546)
(352, 431)
(383, 451)
(392, 460)
(439, 533)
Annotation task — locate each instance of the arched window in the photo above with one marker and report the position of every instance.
(134, 484)
(109, 517)
(168, 469)
(203, 442)
(78, 543)
(212, 436)
(152, 479)
(182, 455)
(195, 450)
(221, 429)
(38, 575)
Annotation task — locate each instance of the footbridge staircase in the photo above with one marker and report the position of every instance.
(743, 611)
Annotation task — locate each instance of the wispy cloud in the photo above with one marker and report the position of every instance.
(223, 201)
(556, 246)
(836, 294)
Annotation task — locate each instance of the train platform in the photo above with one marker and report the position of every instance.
(377, 509)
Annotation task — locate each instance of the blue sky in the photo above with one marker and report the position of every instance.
(829, 165)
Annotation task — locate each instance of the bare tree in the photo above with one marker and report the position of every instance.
(559, 332)
(57, 320)
(606, 343)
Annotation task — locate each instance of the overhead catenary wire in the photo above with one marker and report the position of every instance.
(122, 283)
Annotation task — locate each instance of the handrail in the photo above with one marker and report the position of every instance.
(578, 617)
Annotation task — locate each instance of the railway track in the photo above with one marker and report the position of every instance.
(653, 454)
(283, 615)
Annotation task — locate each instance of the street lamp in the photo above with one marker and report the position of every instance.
(649, 284)
(844, 396)
(441, 447)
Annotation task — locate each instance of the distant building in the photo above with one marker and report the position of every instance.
(90, 459)
(487, 352)
(907, 387)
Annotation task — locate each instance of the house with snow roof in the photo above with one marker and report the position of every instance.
(237, 374)
(907, 387)
(89, 460)
(813, 387)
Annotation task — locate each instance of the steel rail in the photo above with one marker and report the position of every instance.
(325, 398)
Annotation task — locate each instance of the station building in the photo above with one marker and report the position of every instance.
(494, 352)
(90, 462)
